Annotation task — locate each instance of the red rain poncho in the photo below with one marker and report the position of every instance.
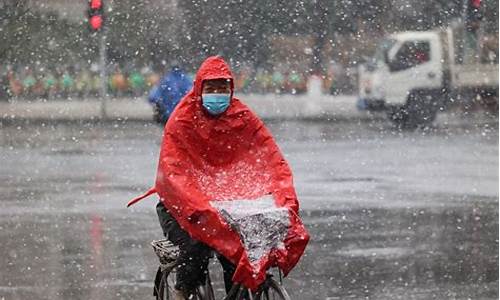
(207, 164)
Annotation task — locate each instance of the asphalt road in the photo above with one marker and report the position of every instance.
(392, 215)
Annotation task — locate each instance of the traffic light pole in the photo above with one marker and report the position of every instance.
(103, 75)
(465, 4)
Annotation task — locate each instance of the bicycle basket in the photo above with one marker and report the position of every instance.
(166, 251)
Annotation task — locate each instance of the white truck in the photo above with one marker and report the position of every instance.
(413, 75)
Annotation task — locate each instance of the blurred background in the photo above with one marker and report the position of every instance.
(47, 50)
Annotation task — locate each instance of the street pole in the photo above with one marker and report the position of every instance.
(464, 11)
(103, 75)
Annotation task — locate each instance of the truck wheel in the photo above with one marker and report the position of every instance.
(490, 102)
(420, 110)
(398, 115)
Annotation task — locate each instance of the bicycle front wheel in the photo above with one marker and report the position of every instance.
(271, 290)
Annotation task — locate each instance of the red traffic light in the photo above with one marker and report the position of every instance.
(95, 4)
(96, 22)
(475, 3)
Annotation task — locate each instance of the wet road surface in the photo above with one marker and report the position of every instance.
(392, 215)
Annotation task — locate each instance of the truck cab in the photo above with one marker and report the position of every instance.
(403, 62)
(413, 73)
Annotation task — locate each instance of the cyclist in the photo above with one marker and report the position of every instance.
(216, 151)
(166, 95)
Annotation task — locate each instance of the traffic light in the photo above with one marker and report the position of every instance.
(95, 14)
(474, 13)
(475, 3)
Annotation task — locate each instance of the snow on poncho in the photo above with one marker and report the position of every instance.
(227, 184)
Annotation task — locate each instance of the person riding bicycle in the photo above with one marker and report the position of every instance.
(219, 166)
(166, 95)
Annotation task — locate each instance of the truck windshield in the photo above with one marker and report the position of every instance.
(382, 49)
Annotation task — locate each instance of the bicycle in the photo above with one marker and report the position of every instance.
(168, 253)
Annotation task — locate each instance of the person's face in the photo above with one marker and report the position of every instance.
(217, 86)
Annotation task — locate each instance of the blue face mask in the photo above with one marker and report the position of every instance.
(216, 104)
